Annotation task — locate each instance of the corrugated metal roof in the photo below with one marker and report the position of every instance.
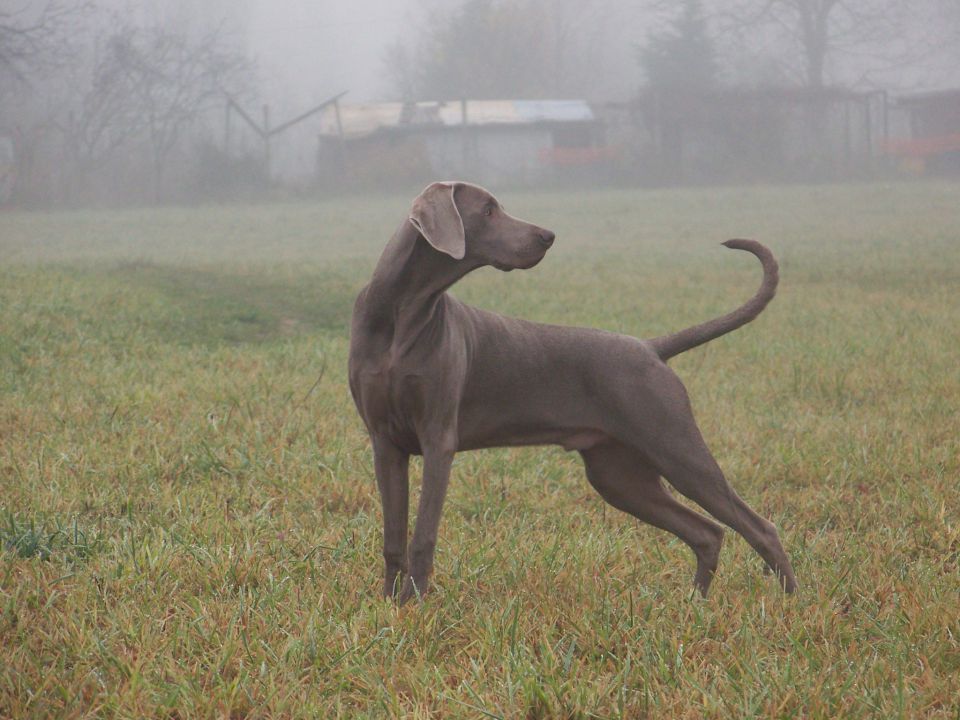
(553, 110)
(359, 120)
(929, 97)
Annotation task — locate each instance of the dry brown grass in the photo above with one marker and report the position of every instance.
(192, 528)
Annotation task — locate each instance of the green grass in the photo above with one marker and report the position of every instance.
(190, 524)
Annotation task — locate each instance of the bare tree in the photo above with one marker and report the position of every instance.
(78, 83)
(503, 49)
(175, 81)
(104, 114)
(36, 43)
(812, 34)
(483, 49)
(682, 57)
(400, 68)
(576, 35)
(35, 36)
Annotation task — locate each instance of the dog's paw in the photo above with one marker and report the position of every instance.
(412, 590)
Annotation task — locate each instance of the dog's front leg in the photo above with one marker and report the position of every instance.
(437, 460)
(391, 465)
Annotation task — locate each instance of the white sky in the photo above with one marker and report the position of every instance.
(307, 50)
(310, 49)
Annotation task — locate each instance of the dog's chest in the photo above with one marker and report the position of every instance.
(391, 397)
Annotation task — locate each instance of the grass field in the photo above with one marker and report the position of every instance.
(190, 524)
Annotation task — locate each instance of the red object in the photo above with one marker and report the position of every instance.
(578, 155)
(924, 147)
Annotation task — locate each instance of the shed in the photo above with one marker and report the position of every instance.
(746, 134)
(929, 134)
(495, 142)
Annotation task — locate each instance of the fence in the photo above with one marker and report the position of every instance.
(741, 135)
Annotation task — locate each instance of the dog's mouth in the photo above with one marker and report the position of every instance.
(534, 261)
(525, 264)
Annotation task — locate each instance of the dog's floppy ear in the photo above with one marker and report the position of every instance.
(435, 215)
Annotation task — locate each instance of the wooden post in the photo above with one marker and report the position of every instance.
(336, 112)
(266, 142)
(266, 132)
(226, 128)
(341, 146)
(464, 139)
(885, 115)
(847, 149)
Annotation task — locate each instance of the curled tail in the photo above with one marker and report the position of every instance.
(666, 346)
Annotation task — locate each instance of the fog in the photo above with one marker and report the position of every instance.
(307, 50)
(225, 256)
(118, 101)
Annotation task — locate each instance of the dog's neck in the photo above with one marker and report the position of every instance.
(408, 285)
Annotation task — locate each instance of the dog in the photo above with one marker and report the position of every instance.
(432, 376)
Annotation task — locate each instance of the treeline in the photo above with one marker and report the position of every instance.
(567, 48)
(99, 105)
(102, 106)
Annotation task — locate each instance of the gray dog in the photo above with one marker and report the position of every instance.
(431, 376)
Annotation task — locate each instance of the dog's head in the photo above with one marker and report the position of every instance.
(465, 221)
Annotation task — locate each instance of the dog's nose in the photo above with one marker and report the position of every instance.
(547, 238)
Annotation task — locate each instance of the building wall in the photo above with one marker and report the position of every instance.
(496, 157)
(750, 136)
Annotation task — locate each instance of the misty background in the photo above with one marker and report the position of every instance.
(116, 101)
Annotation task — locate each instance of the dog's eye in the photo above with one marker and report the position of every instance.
(488, 212)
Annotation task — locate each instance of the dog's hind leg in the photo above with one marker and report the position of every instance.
(668, 435)
(626, 481)
(698, 476)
